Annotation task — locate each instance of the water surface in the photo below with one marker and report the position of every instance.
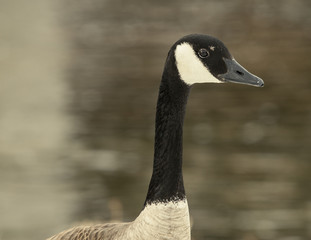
(79, 89)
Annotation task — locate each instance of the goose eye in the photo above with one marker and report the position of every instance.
(203, 53)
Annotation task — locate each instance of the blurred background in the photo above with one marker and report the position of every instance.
(78, 88)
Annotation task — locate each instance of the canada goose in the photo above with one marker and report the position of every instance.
(192, 59)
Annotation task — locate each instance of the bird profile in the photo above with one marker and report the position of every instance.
(193, 59)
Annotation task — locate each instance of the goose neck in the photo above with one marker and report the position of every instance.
(167, 182)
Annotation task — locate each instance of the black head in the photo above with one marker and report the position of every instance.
(205, 59)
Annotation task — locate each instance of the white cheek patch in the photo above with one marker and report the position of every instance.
(191, 69)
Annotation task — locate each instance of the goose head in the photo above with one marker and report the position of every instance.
(205, 59)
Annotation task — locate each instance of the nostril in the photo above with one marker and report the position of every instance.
(239, 72)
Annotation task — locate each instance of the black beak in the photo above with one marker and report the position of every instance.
(238, 74)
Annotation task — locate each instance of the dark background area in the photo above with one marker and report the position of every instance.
(79, 82)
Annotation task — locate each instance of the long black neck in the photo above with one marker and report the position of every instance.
(167, 181)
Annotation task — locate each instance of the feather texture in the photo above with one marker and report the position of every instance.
(157, 221)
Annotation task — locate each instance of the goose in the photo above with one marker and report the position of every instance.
(194, 58)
